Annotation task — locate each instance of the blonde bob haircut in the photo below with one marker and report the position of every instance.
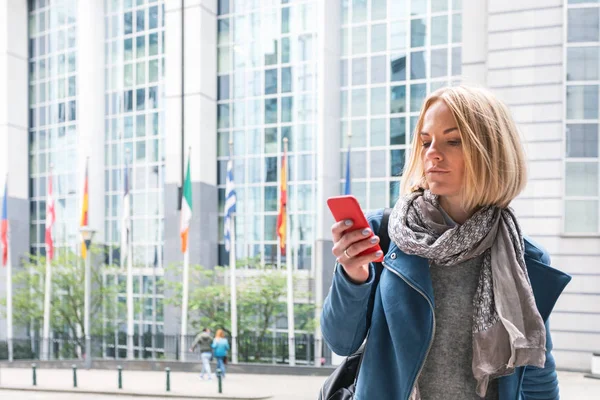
(495, 166)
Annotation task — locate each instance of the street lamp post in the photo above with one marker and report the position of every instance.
(87, 234)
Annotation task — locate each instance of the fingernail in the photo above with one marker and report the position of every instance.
(366, 231)
(379, 253)
(374, 239)
(348, 222)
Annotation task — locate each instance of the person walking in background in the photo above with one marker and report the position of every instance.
(221, 347)
(204, 341)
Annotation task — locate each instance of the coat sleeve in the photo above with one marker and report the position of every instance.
(344, 315)
(541, 383)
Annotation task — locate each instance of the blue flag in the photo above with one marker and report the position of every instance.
(347, 190)
(230, 201)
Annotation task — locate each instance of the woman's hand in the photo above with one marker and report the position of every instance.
(348, 244)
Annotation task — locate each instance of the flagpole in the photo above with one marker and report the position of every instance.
(9, 307)
(130, 332)
(232, 266)
(290, 273)
(47, 283)
(186, 269)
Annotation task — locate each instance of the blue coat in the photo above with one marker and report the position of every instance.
(402, 325)
(221, 347)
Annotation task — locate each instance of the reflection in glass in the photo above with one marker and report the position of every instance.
(582, 140)
(582, 63)
(582, 25)
(398, 67)
(582, 102)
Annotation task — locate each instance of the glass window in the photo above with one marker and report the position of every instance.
(359, 11)
(378, 164)
(223, 7)
(581, 179)
(224, 62)
(439, 63)
(583, 25)
(286, 80)
(456, 28)
(344, 41)
(128, 75)
(418, 7)
(285, 50)
(582, 102)
(378, 100)
(286, 109)
(398, 9)
(344, 103)
(359, 133)
(359, 40)
(128, 49)
(153, 17)
(581, 216)
(271, 169)
(417, 96)
(271, 81)
(359, 102)
(378, 38)
(417, 32)
(378, 69)
(456, 61)
(398, 66)
(140, 73)
(223, 115)
(378, 132)
(285, 20)
(271, 199)
(439, 5)
(582, 140)
(439, 30)
(358, 164)
(223, 87)
(140, 125)
(378, 9)
(359, 71)
(223, 29)
(417, 65)
(270, 111)
(582, 63)
(140, 21)
(398, 35)
(128, 23)
(271, 52)
(270, 140)
(153, 45)
(397, 99)
(397, 162)
(397, 130)
(140, 43)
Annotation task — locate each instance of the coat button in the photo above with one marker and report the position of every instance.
(393, 256)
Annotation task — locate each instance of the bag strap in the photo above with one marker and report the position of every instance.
(384, 243)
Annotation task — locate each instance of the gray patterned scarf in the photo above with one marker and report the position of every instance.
(508, 331)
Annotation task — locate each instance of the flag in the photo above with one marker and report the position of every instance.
(186, 209)
(84, 209)
(4, 226)
(282, 216)
(50, 219)
(230, 204)
(126, 216)
(348, 176)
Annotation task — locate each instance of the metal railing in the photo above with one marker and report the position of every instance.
(251, 348)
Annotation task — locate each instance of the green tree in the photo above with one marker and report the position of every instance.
(68, 282)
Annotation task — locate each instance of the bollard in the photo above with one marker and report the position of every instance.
(74, 375)
(168, 370)
(120, 377)
(33, 366)
(219, 373)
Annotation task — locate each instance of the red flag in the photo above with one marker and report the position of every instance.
(4, 226)
(282, 216)
(50, 218)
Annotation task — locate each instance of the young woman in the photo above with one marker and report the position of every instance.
(220, 346)
(461, 307)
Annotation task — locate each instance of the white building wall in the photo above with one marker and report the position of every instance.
(525, 68)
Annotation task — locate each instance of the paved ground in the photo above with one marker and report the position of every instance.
(280, 387)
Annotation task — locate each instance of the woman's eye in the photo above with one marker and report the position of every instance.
(454, 142)
(426, 144)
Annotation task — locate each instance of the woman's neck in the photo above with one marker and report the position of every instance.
(453, 207)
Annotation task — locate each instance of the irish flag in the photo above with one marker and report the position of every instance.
(186, 209)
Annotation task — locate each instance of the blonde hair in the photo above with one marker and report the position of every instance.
(495, 164)
(220, 334)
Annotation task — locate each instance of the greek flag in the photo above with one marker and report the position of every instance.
(230, 201)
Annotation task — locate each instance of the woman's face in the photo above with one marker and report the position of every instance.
(442, 156)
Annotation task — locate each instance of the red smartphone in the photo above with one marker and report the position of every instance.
(347, 207)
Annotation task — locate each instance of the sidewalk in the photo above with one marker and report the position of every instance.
(573, 386)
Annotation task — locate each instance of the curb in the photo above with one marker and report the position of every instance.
(134, 394)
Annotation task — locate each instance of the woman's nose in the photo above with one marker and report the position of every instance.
(433, 153)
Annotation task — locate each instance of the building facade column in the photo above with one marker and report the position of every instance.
(14, 137)
(328, 152)
(191, 42)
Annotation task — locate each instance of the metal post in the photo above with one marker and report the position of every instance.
(219, 378)
(120, 369)
(74, 375)
(88, 288)
(33, 366)
(168, 379)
